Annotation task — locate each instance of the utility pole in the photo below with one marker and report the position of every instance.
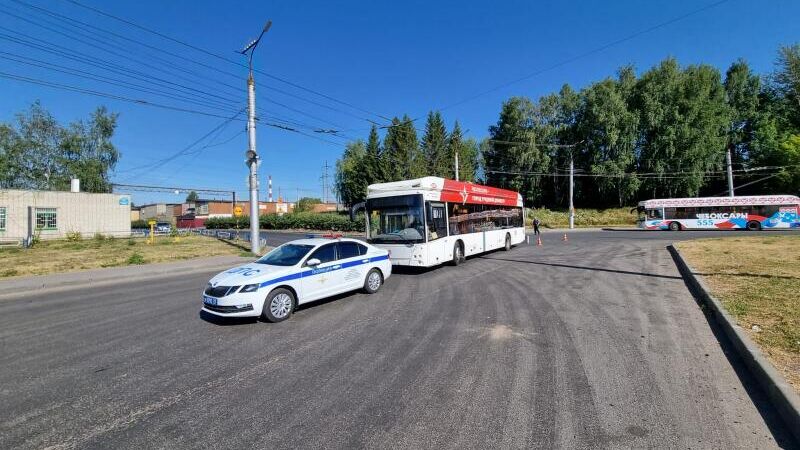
(325, 182)
(571, 182)
(252, 155)
(269, 193)
(456, 164)
(730, 171)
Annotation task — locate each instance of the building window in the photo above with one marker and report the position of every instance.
(2, 218)
(46, 219)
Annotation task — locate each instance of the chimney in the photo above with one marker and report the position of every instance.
(74, 185)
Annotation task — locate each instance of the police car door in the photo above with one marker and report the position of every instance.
(323, 279)
(352, 256)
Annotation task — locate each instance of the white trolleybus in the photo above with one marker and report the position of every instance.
(428, 221)
(758, 212)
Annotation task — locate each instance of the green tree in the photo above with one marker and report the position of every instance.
(402, 157)
(786, 81)
(434, 146)
(512, 151)
(192, 197)
(742, 92)
(467, 150)
(684, 123)
(789, 176)
(609, 133)
(373, 169)
(38, 153)
(351, 185)
(306, 204)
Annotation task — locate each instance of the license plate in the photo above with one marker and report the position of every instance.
(210, 301)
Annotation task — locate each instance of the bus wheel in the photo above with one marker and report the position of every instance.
(507, 247)
(458, 253)
(674, 226)
(754, 225)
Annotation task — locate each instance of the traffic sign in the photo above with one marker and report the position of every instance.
(237, 211)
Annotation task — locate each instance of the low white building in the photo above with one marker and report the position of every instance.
(53, 214)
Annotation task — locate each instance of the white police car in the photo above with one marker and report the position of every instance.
(297, 272)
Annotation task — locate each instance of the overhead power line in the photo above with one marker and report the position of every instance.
(166, 66)
(184, 151)
(754, 171)
(224, 58)
(107, 80)
(67, 87)
(586, 53)
(64, 52)
(91, 32)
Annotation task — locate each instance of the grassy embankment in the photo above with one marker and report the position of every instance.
(615, 217)
(757, 279)
(68, 256)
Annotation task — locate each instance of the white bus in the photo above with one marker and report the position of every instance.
(428, 221)
(720, 213)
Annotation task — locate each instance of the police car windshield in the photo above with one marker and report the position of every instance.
(285, 255)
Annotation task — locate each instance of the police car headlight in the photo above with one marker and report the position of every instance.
(249, 288)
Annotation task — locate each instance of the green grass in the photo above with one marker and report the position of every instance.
(103, 251)
(757, 280)
(583, 217)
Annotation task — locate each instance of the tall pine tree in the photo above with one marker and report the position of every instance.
(402, 154)
(467, 151)
(434, 146)
(373, 170)
(391, 158)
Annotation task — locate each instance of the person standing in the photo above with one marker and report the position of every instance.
(536, 226)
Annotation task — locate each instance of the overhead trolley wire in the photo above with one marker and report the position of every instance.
(100, 44)
(224, 58)
(64, 52)
(67, 87)
(103, 79)
(586, 53)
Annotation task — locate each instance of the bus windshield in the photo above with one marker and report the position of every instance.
(396, 220)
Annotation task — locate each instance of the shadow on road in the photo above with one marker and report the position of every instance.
(599, 269)
(226, 321)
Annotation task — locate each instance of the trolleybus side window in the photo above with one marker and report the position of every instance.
(475, 218)
(437, 226)
(654, 213)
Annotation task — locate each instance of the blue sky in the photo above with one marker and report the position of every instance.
(388, 58)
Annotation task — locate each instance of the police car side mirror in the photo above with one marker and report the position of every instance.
(313, 262)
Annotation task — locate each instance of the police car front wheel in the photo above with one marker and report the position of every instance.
(279, 305)
(373, 282)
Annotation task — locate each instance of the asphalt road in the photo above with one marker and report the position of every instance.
(595, 342)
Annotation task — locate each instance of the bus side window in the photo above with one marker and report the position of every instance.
(437, 226)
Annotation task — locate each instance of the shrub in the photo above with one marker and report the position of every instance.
(139, 224)
(136, 258)
(302, 220)
(100, 237)
(74, 236)
(583, 217)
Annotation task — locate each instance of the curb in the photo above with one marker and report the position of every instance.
(780, 393)
(46, 284)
